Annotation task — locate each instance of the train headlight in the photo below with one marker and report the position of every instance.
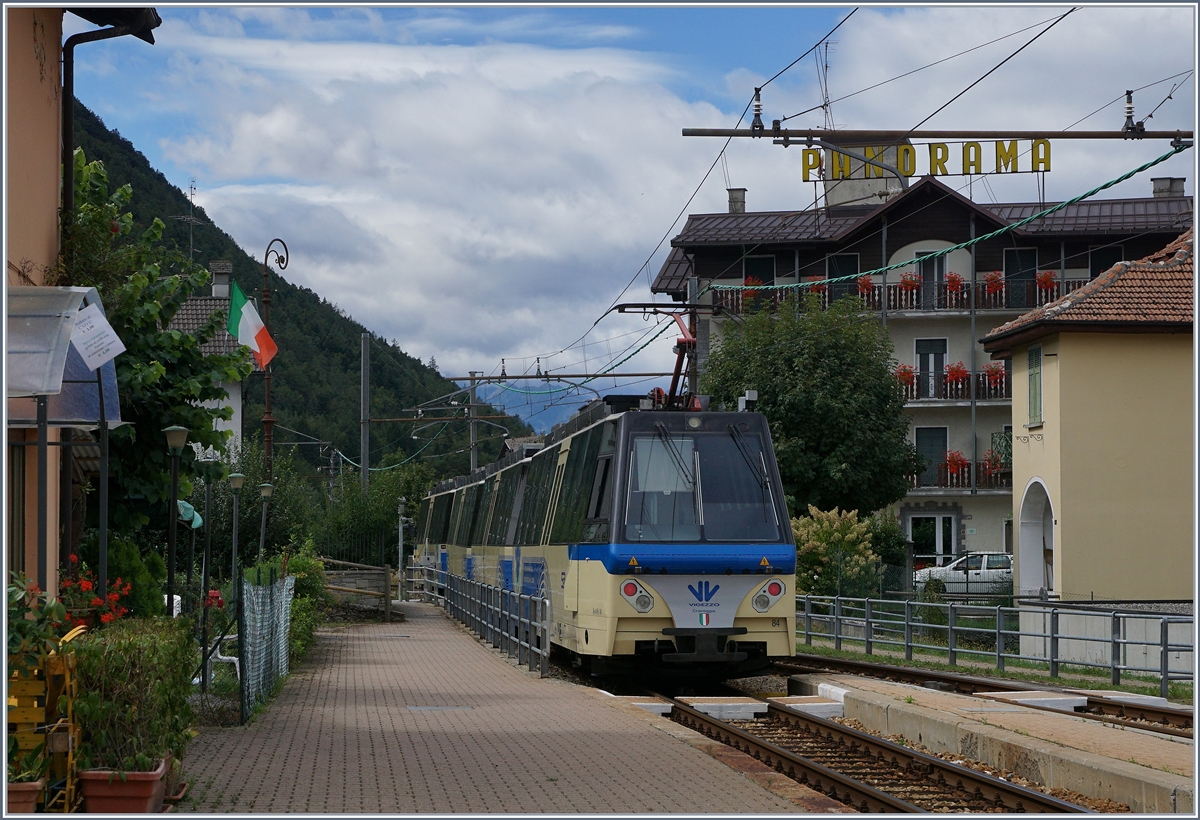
(637, 596)
(771, 592)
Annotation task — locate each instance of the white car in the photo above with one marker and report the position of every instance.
(975, 572)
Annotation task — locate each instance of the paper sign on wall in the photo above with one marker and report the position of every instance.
(94, 338)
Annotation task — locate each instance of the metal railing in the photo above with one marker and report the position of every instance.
(513, 623)
(1099, 640)
(933, 386)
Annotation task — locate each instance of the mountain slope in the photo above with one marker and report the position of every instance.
(315, 376)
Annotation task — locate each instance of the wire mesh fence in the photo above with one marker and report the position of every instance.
(263, 637)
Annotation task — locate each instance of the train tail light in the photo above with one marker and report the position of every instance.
(637, 596)
(766, 597)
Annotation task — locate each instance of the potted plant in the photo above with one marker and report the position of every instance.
(1046, 280)
(995, 373)
(955, 283)
(77, 589)
(818, 285)
(909, 282)
(133, 711)
(34, 626)
(957, 373)
(906, 374)
(749, 286)
(865, 285)
(993, 282)
(956, 462)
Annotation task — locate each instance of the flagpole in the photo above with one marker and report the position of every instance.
(268, 421)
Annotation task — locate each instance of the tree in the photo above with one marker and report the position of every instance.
(362, 527)
(163, 377)
(836, 412)
(834, 555)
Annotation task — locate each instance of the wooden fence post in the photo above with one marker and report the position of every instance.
(387, 593)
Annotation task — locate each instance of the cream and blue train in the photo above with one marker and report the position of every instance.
(661, 538)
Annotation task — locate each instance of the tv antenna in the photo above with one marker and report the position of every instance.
(191, 219)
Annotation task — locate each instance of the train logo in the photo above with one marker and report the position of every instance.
(703, 591)
(705, 618)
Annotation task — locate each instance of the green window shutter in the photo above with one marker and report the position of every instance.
(1035, 385)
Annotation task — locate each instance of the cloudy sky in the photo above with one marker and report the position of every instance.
(479, 183)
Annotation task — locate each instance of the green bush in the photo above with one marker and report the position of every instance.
(834, 555)
(126, 562)
(134, 680)
(302, 630)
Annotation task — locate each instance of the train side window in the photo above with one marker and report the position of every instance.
(600, 504)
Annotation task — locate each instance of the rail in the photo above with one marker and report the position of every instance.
(1110, 640)
(516, 624)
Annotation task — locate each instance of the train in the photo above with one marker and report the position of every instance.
(660, 537)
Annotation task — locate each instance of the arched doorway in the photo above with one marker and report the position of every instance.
(1036, 547)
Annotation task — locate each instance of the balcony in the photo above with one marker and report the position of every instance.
(941, 477)
(1018, 295)
(980, 386)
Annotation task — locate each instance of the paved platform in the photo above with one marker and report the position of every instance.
(1153, 773)
(420, 717)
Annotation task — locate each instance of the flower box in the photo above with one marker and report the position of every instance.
(995, 373)
(909, 282)
(957, 373)
(1046, 280)
(23, 797)
(993, 282)
(955, 283)
(906, 374)
(865, 285)
(956, 462)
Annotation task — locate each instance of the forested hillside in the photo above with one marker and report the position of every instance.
(315, 376)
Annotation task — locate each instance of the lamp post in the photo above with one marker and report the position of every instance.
(265, 491)
(268, 420)
(236, 480)
(176, 439)
(205, 569)
(400, 515)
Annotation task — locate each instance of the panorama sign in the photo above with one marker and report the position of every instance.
(1003, 158)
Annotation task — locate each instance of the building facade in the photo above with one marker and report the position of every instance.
(959, 401)
(1103, 468)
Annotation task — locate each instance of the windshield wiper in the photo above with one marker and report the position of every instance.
(676, 454)
(739, 440)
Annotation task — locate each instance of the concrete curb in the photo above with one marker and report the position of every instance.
(1044, 762)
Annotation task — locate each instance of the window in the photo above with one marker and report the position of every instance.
(931, 361)
(761, 268)
(933, 539)
(1020, 267)
(974, 562)
(933, 273)
(931, 444)
(1103, 257)
(999, 562)
(838, 265)
(1035, 385)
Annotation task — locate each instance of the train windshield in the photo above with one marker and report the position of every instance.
(699, 487)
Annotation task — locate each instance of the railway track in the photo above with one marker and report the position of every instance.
(1148, 717)
(865, 772)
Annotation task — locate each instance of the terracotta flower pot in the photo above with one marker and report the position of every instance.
(23, 797)
(138, 793)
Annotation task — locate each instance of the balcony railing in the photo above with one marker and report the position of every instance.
(935, 387)
(1019, 295)
(942, 477)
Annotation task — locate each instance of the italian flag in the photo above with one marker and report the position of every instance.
(248, 328)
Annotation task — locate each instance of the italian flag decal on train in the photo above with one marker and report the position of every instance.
(705, 618)
(245, 325)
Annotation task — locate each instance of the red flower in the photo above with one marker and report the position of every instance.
(994, 282)
(73, 558)
(956, 462)
(909, 281)
(865, 285)
(97, 602)
(78, 622)
(85, 585)
(995, 373)
(107, 618)
(67, 583)
(125, 591)
(115, 227)
(112, 598)
(1046, 280)
(954, 282)
(957, 373)
(906, 374)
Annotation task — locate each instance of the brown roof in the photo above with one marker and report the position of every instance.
(1150, 295)
(194, 314)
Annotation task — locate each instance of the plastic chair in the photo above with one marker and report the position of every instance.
(217, 656)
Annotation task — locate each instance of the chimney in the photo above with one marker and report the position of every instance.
(737, 200)
(221, 270)
(1168, 186)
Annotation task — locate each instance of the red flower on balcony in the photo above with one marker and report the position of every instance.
(957, 373)
(995, 373)
(993, 282)
(993, 462)
(909, 281)
(906, 374)
(1046, 280)
(748, 287)
(955, 283)
(956, 462)
(816, 285)
(865, 285)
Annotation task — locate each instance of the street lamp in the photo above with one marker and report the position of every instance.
(236, 480)
(205, 570)
(176, 439)
(400, 515)
(265, 491)
(268, 421)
